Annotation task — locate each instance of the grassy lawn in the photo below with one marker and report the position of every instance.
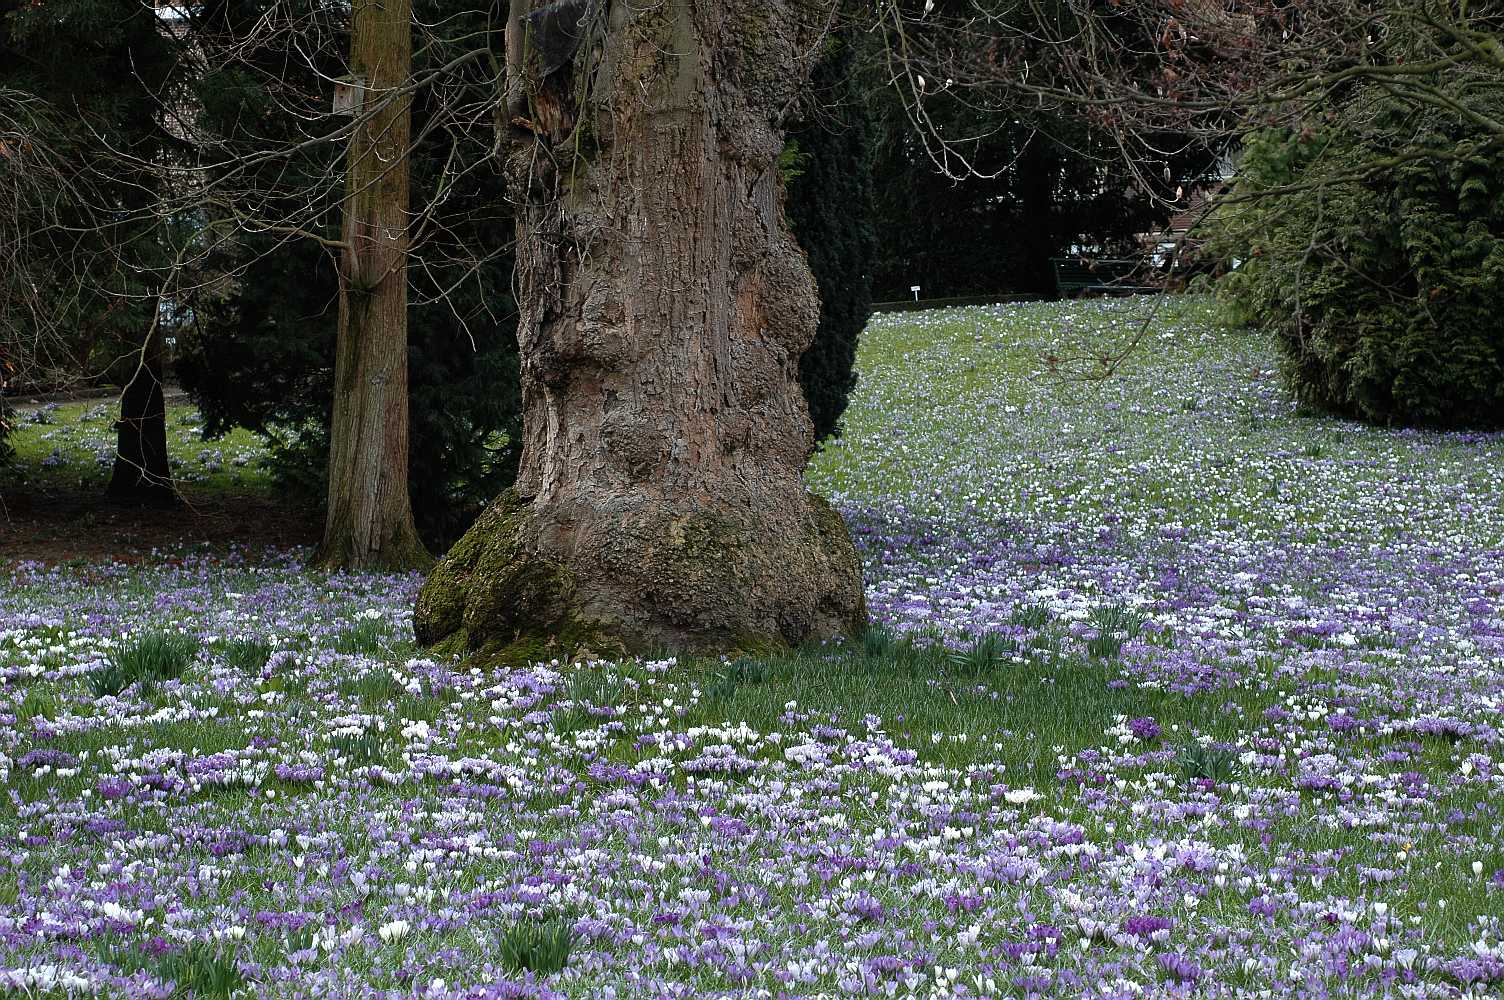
(1171, 691)
(53, 508)
(72, 445)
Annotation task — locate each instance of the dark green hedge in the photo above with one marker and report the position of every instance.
(1386, 292)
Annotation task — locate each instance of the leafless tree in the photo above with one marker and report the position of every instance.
(1156, 73)
(45, 202)
(1207, 70)
(230, 192)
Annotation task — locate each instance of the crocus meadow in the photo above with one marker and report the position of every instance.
(1173, 691)
(75, 442)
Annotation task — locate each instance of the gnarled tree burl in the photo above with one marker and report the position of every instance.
(664, 309)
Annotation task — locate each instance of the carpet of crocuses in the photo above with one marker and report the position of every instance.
(1180, 692)
(79, 438)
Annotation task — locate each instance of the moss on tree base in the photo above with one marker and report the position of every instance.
(693, 580)
(490, 599)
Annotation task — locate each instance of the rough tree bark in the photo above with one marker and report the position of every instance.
(369, 524)
(141, 474)
(664, 308)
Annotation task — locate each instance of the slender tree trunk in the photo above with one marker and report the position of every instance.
(141, 474)
(369, 523)
(664, 311)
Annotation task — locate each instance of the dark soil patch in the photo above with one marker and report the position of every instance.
(57, 516)
(59, 525)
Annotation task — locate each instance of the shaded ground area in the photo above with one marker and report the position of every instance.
(60, 525)
(52, 504)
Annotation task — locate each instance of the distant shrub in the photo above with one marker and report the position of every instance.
(1385, 293)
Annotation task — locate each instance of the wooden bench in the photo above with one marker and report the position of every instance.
(1076, 276)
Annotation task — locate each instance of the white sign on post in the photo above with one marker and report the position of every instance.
(349, 94)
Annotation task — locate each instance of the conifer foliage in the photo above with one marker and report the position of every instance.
(828, 161)
(1383, 274)
(83, 242)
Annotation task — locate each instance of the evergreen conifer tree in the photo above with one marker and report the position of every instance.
(261, 354)
(828, 160)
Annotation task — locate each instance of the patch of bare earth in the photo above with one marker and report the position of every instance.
(59, 525)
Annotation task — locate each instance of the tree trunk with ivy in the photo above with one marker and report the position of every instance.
(369, 523)
(665, 307)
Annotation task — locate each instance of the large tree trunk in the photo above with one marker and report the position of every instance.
(141, 474)
(369, 524)
(664, 308)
